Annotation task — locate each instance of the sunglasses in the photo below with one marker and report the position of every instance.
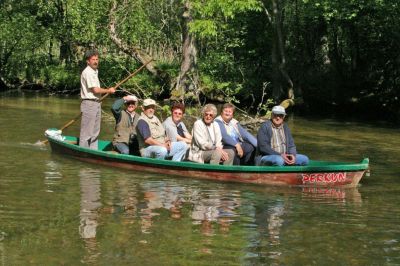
(279, 115)
(210, 115)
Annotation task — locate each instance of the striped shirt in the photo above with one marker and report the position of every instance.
(278, 141)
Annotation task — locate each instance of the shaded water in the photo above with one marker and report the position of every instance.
(55, 210)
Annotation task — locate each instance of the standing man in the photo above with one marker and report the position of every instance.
(275, 142)
(126, 119)
(152, 139)
(91, 105)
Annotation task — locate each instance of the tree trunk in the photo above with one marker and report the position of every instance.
(282, 83)
(65, 51)
(187, 84)
(277, 89)
(3, 85)
(64, 36)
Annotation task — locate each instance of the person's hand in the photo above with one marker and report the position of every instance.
(167, 145)
(224, 154)
(111, 90)
(239, 150)
(289, 159)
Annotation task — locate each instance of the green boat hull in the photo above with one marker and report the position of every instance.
(316, 174)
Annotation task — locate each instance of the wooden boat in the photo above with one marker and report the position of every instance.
(316, 174)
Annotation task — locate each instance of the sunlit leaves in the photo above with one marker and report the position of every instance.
(213, 15)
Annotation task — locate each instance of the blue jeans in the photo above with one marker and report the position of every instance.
(248, 154)
(122, 147)
(278, 160)
(177, 152)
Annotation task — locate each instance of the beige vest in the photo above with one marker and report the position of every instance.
(157, 130)
(125, 128)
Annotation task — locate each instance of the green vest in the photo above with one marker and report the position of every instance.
(125, 128)
(157, 130)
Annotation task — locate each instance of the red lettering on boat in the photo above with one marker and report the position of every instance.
(306, 178)
(342, 177)
(324, 177)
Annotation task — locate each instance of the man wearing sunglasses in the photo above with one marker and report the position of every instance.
(275, 142)
(174, 127)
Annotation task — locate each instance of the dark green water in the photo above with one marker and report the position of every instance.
(58, 211)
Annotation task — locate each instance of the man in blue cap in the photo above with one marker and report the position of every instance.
(275, 142)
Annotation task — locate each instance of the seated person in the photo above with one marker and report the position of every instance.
(206, 144)
(235, 137)
(174, 127)
(275, 142)
(153, 142)
(126, 119)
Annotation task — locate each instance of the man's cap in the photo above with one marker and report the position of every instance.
(148, 102)
(278, 110)
(131, 98)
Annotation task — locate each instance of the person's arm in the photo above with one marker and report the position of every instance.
(291, 147)
(264, 141)
(110, 90)
(247, 136)
(144, 130)
(187, 137)
(226, 139)
(218, 136)
(116, 109)
(92, 81)
(218, 140)
(184, 139)
(170, 129)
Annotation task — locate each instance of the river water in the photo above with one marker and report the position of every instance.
(55, 210)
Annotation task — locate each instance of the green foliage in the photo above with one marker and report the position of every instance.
(211, 17)
(58, 78)
(264, 108)
(338, 53)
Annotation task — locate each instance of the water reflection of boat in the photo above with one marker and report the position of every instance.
(316, 174)
(329, 194)
(344, 195)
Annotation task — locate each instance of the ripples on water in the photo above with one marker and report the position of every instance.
(55, 210)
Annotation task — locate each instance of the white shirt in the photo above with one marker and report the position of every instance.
(89, 80)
